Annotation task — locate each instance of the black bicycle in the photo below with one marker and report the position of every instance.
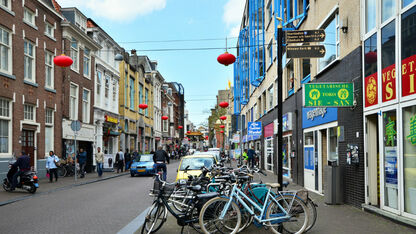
(158, 212)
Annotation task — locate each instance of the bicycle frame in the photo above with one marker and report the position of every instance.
(236, 193)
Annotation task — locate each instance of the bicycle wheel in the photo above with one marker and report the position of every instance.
(179, 199)
(210, 213)
(61, 171)
(313, 214)
(296, 210)
(155, 218)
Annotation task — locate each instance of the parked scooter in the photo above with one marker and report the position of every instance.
(28, 180)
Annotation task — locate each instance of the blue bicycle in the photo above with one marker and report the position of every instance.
(281, 211)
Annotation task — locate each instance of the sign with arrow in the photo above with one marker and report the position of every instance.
(308, 51)
(305, 36)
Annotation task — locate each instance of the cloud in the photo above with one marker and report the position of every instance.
(233, 11)
(235, 31)
(116, 10)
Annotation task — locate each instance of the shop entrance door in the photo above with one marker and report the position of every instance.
(372, 154)
(28, 145)
(268, 154)
(309, 161)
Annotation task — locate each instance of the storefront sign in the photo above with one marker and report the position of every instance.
(287, 122)
(328, 94)
(371, 90)
(268, 130)
(317, 116)
(247, 138)
(391, 165)
(236, 138)
(388, 83)
(111, 119)
(412, 136)
(254, 129)
(408, 76)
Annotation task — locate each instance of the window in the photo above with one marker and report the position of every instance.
(270, 52)
(126, 125)
(390, 159)
(29, 16)
(256, 114)
(269, 12)
(146, 97)
(86, 106)
(5, 51)
(5, 126)
(131, 93)
(388, 8)
(126, 87)
(115, 84)
(370, 14)
(49, 30)
(306, 70)
(49, 131)
(333, 144)
(270, 92)
(6, 4)
(73, 103)
(107, 86)
(28, 112)
(80, 21)
(74, 54)
(290, 78)
(29, 61)
(408, 48)
(49, 73)
(388, 57)
(165, 125)
(331, 43)
(87, 62)
(140, 96)
(406, 2)
(98, 88)
(409, 159)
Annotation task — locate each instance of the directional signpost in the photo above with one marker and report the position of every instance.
(310, 51)
(305, 36)
(75, 126)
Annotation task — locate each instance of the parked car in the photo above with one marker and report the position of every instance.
(142, 165)
(215, 153)
(193, 164)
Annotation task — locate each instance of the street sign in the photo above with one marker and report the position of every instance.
(254, 129)
(305, 36)
(328, 94)
(309, 51)
(76, 125)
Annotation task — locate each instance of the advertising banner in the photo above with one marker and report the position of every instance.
(109, 160)
(408, 76)
(328, 94)
(254, 129)
(371, 90)
(388, 83)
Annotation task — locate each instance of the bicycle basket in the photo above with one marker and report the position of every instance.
(303, 194)
(168, 190)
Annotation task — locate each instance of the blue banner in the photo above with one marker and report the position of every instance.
(317, 116)
(254, 129)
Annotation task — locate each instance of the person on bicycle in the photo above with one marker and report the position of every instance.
(160, 158)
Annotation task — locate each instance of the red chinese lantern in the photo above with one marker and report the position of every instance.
(180, 126)
(206, 137)
(63, 60)
(143, 106)
(222, 126)
(188, 132)
(165, 117)
(223, 117)
(221, 131)
(370, 57)
(226, 58)
(224, 104)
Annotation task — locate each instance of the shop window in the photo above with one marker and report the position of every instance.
(309, 138)
(286, 156)
(388, 57)
(331, 42)
(370, 14)
(409, 158)
(408, 49)
(388, 8)
(333, 144)
(390, 159)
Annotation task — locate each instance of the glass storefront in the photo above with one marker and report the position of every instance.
(409, 158)
(390, 159)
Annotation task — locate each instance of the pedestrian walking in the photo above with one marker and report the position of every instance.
(82, 160)
(251, 155)
(51, 166)
(245, 157)
(120, 161)
(99, 159)
(160, 158)
(127, 158)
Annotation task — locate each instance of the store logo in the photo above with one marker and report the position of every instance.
(343, 94)
(371, 90)
(314, 94)
(316, 112)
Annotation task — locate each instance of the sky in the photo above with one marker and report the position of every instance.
(141, 21)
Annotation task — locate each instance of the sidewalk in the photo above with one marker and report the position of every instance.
(331, 219)
(62, 183)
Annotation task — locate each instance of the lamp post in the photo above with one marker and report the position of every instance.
(279, 104)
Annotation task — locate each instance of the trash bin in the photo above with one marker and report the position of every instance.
(334, 189)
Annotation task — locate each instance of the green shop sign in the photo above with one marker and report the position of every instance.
(328, 94)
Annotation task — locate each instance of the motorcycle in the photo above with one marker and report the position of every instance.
(28, 180)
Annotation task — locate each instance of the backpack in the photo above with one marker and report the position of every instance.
(117, 157)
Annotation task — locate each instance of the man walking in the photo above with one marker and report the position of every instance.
(23, 163)
(99, 159)
(127, 158)
(82, 160)
(160, 158)
(251, 157)
(120, 162)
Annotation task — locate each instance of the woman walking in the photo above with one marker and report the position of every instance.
(51, 166)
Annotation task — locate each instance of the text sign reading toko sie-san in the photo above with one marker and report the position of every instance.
(305, 36)
(328, 95)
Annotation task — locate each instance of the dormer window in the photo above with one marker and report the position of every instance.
(80, 22)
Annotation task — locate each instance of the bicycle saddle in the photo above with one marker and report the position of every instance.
(273, 185)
